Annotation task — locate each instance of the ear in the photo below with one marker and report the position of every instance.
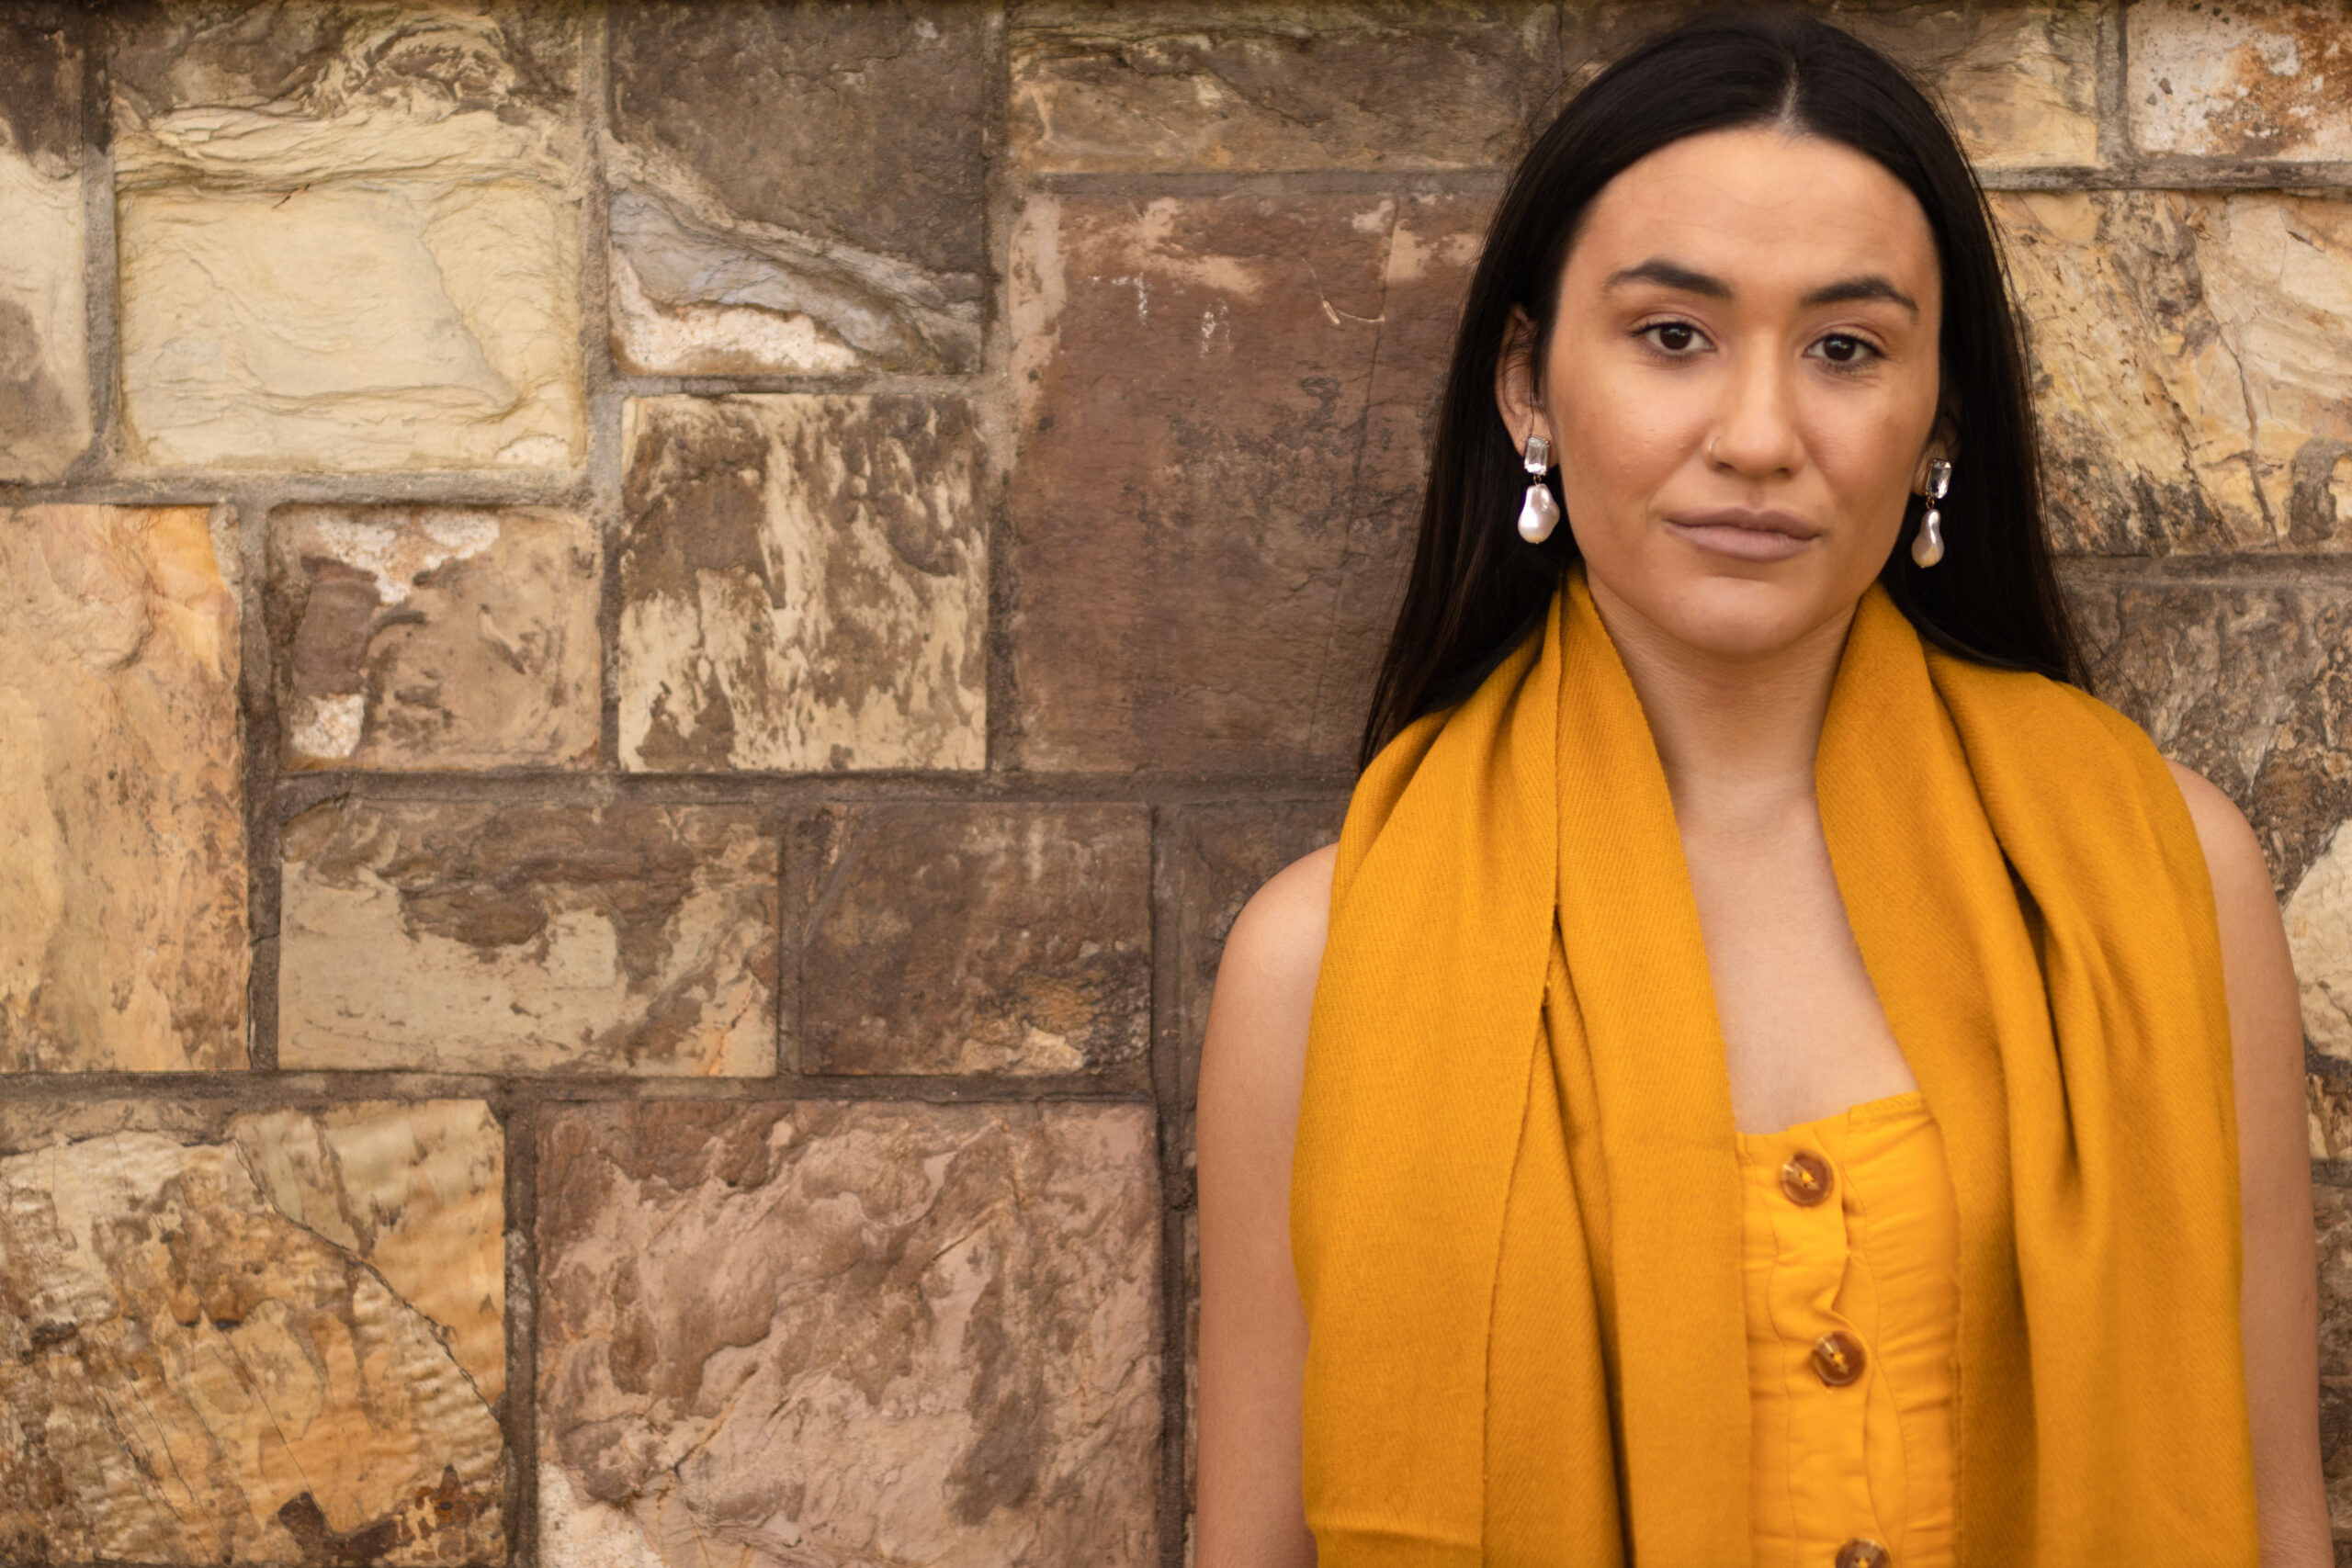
(1943, 437)
(1518, 389)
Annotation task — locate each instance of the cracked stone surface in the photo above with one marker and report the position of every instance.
(2019, 83)
(348, 238)
(44, 365)
(1215, 857)
(839, 1333)
(2250, 81)
(804, 583)
(123, 935)
(462, 938)
(850, 234)
(2319, 934)
(2333, 1212)
(1275, 446)
(434, 636)
(972, 938)
(269, 1337)
(2191, 352)
(1161, 87)
(2327, 1099)
(2251, 686)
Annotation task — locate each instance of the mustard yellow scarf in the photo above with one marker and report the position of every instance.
(1515, 1214)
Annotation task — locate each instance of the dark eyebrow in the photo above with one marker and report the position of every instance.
(1668, 275)
(1870, 286)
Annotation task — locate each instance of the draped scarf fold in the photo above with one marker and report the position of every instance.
(1514, 1209)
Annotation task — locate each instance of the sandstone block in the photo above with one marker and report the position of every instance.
(2250, 686)
(621, 938)
(353, 244)
(2268, 80)
(850, 232)
(1188, 86)
(804, 583)
(434, 636)
(262, 1338)
(2333, 1212)
(1215, 858)
(2190, 353)
(2328, 1102)
(2019, 83)
(1231, 391)
(849, 1332)
(44, 365)
(973, 938)
(123, 941)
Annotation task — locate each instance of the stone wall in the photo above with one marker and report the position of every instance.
(644, 652)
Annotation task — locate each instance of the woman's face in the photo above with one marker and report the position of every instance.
(1741, 386)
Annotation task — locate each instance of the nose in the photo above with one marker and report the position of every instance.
(1755, 435)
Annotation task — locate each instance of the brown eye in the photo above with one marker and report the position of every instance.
(1675, 337)
(1841, 350)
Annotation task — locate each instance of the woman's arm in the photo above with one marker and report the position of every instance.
(1249, 1512)
(2279, 1303)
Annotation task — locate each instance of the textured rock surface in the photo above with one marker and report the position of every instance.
(849, 1334)
(261, 1342)
(1228, 390)
(44, 365)
(1381, 85)
(2019, 83)
(1215, 857)
(2259, 81)
(2332, 1209)
(2191, 354)
(122, 884)
(349, 238)
(624, 939)
(2319, 931)
(2327, 1097)
(434, 636)
(803, 583)
(848, 233)
(2250, 686)
(972, 938)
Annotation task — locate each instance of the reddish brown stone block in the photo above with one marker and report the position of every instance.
(972, 938)
(1388, 84)
(849, 1334)
(1230, 392)
(2264, 80)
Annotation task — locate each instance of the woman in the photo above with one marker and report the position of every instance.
(1772, 1072)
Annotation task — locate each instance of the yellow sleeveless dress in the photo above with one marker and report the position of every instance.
(1849, 1237)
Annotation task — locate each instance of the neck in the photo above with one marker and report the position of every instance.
(1738, 734)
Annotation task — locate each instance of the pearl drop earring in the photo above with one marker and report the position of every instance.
(1539, 514)
(1927, 548)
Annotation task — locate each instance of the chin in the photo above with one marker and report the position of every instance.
(1745, 614)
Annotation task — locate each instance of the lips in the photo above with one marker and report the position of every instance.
(1749, 533)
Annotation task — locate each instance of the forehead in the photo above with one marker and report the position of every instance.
(1765, 211)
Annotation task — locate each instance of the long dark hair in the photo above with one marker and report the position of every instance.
(1476, 588)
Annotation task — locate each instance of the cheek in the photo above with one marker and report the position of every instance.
(1622, 436)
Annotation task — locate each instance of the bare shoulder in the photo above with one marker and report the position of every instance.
(2233, 854)
(1279, 931)
(1255, 1043)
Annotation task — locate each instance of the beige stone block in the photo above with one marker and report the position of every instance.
(256, 1339)
(2327, 1103)
(2192, 355)
(1153, 88)
(2319, 934)
(804, 583)
(2264, 80)
(434, 636)
(364, 257)
(458, 938)
(832, 1333)
(44, 363)
(123, 941)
